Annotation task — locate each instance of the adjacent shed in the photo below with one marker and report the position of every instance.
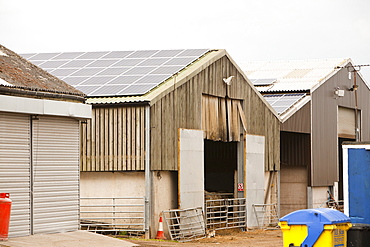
(167, 126)
(39, 147)
(321, 103)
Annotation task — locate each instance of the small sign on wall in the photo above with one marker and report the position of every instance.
(240, 186)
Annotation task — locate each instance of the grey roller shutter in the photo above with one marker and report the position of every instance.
(55, 174)
(346, 123)
(15, 169)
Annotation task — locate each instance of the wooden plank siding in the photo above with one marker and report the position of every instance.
(114, 139)
(182, 108)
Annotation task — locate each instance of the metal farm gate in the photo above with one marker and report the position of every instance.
(113, 214)
(226, 213)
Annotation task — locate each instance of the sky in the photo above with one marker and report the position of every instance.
(249, 30)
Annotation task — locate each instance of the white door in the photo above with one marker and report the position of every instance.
(55, 174)
(191, 168)
(255, 175)
(15, 169)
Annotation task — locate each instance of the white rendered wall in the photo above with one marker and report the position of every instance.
(164, 197)
(319, 196)
(112, 184)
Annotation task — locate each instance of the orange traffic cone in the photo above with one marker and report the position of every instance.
(160, 233)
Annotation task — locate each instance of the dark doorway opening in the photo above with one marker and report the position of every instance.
(220, 165)
(340, 163)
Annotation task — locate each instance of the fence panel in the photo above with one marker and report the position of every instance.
(113, 214)
(226, 213)
(266, 215)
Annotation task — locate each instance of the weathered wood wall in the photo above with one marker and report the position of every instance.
(182, 108)
(114, 139)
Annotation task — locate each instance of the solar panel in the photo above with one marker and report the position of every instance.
(263, 82)
(87, 89)
(68, 55)
(93, 55)
(43, 56)
(154, 61)
(77, 63)
(27, 56)
(98, 80)
(53, 64)
(140, 70)
(167, 53)
(88, 71)
(113, 73)
(282, 102)
(142, 54)
(125, 79)
(74, 80)
(128, 62)
(192, 52)
(109, 90)
(167, 70)
(117, 54)
(150, 79)
(63, 72)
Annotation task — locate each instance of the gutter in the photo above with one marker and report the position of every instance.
(42, 94)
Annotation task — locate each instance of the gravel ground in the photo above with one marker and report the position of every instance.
(227, 238)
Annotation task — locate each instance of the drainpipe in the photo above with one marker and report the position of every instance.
(147, 173)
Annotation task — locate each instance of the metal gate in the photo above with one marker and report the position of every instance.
(113, 214)
(266, 215)
(226, 213)
(185, 224)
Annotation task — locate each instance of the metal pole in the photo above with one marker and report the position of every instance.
(147, 173)
(357, 132)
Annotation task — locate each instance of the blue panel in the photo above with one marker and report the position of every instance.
(359, 185)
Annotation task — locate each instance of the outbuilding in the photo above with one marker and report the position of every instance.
(169, 125)
(321, 103)
(40, 119)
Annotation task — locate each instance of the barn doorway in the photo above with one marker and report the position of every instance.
(220, 166)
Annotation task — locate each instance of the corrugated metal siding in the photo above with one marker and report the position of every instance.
(114, 139)
(295, 149)
(324, 124)
(56, 174)
(15, 169)
(182, 108)
(300, 121)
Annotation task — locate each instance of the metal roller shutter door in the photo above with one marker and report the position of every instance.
(56, 174)
(346, 123)
(15, 169)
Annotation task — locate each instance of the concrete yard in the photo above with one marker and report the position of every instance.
(66, 239)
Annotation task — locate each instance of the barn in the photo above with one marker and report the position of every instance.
(321, 103)
(40, 119)
(169, 125)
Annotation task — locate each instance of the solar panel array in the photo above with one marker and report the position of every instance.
(115, 73)
(282, 102)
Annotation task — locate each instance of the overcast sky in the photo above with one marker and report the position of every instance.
(248, 29)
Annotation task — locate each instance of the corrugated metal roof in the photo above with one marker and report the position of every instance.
(293, 75)
(19, 73)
